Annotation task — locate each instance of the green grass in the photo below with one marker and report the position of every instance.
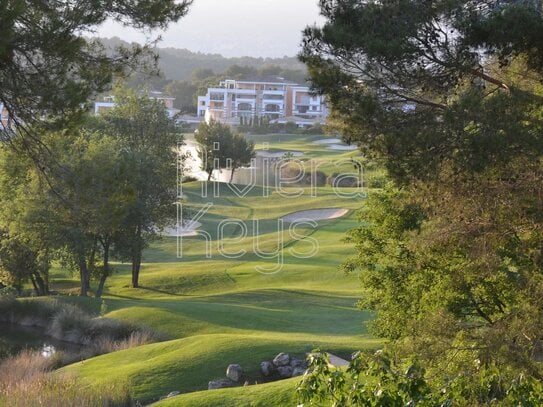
(220, 310)
(188, 364)
(280, 393)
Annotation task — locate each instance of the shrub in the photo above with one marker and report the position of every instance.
(343, 182)
(8, 292)
(292, 171)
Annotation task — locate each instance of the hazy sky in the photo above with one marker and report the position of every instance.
(235, 27)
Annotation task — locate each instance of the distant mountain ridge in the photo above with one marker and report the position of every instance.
(179, 64)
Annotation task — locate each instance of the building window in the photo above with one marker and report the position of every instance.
(272, 108)
(245, 107)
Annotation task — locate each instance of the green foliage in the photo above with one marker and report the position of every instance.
(108, 187)
(147, 140)
(388, 276)
(219, 148)
(241, 153)
(377, 380)
(368, 381)
(420, 100)
(20, 263)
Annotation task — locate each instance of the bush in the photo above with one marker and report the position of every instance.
(8, 292)
(293, 171)
(189, 178)
(344, 182)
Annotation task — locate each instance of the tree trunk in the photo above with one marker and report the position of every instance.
(39, 285)
(136, 258)
(101, 284)
(136, 265)
(232, 175)
(209, 174)
(105, 268)
(92, 257)
(84, 277)
(35, 285)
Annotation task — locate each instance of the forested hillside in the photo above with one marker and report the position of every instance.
(179, 64)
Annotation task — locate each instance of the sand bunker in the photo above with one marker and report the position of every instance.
(188, 229)
(335, 144)
(341, 147)
(315, 214)
(328, 141)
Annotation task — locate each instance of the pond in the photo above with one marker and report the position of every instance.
(261, 172)
(15, 338)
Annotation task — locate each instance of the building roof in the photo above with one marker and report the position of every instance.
(266, 79)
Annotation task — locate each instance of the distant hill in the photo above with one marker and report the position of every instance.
(179, 64)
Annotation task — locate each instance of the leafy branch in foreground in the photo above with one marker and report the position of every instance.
(376, 380)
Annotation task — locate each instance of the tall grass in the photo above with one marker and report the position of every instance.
(69, 323)
(27, 380)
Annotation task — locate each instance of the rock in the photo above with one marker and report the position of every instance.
(173, 394)
(336, 361)
(285, 371)
(282, 359)
(246, 384)
(297, 363)
(298, 371)
(267, 368)
(220, 384)
(234, 372)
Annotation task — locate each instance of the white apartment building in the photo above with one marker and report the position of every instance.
(278, 100)
(108, 102)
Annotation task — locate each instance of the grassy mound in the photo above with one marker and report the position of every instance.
(281, 393)
(187, 365)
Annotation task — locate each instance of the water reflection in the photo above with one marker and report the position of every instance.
(260, 172)
(15, 338)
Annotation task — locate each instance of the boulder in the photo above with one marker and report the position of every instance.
(281, 359)
(220, 384)
(267, 368)
(173, 394)
(285, 371)
(297, 363)
(298, 371)
(234, 372)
